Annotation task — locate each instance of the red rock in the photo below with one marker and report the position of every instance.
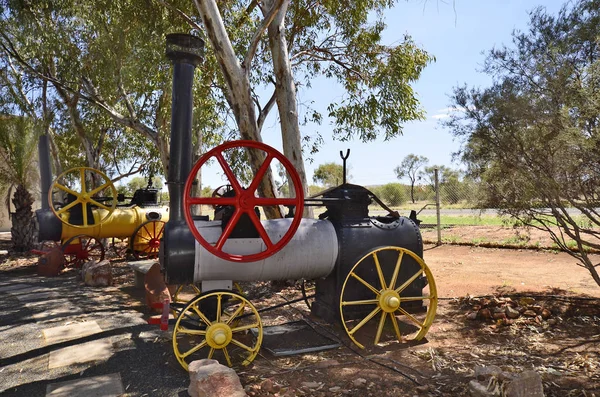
(485, 314)
(546, 313)
(97, 274)
(208, 378)
(529, 313)
(499, 316)
(511, 313)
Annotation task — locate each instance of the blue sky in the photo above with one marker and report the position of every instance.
(457, 34)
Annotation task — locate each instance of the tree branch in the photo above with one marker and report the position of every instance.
(272, 13)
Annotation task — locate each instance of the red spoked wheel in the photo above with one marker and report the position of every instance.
(145, 241)
(82, 248)
(245, 201)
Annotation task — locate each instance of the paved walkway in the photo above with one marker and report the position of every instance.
(60, 338)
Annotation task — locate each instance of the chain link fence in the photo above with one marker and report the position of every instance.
(442, 203)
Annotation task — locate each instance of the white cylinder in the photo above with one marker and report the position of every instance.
(310, 254)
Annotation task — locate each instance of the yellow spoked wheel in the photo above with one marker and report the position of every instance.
(75, 192)
(185, 289)
(404, 292)
(221, 325)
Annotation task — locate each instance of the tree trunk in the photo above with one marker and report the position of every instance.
(285, 92)
(239, 93)
(23, 226)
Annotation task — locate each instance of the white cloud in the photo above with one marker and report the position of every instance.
(445, 112)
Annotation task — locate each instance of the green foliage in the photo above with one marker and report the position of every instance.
(329, 174)
(392, 194)
(409, 168)
(532, 137)
(18, 147)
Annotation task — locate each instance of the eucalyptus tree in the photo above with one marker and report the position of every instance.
(410, 168)
(533, 136)
(103, 66)
(278, 44)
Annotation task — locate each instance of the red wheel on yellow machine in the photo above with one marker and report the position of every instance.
(145, 241)
(247, 201)
(82, 248)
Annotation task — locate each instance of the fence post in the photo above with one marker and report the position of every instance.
(437, 207)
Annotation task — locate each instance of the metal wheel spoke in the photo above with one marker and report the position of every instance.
(212, 200)
(380, 327)
(219, 298)
(414, 320)
(365, 320)
(98, 189)
(260, 173)
(414, 298)
(236, 313)
(85, 214)
(229, 173)
(211, 353)
(68, 206)
(363, 282)
(194, 349)
(396, 328)
(92, 201)
(396, 270)
(243, 346)
(228, 229)
(82, 179)
(201, 315)
(162, 227)
(408, 282)
(261, 229)
(191, 332)
(244, 327)
(362, 302)
(146, 229)
(379, 272)
(226, 354)
(66, 189)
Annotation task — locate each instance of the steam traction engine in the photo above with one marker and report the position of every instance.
(369, 271)
(83, 208)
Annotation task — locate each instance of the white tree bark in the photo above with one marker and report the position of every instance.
(285, 93)
(238, 87)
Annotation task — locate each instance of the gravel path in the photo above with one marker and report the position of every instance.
(141, 353)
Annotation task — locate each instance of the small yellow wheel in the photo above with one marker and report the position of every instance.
(405, 292)
(194, 289)
(84, 187)
(218, 325)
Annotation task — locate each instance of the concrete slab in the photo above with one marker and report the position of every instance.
(56, 312)
(99, 386)
(98, 350)
(38, 296)
(14, 287)
(71, 331)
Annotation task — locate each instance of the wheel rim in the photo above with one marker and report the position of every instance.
(389, 299)
(226, 335)
(145, 241)
(83, 196)
(79, 249)
(244, 201)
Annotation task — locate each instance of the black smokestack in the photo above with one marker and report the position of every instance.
(45, 169)
(186, 53)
